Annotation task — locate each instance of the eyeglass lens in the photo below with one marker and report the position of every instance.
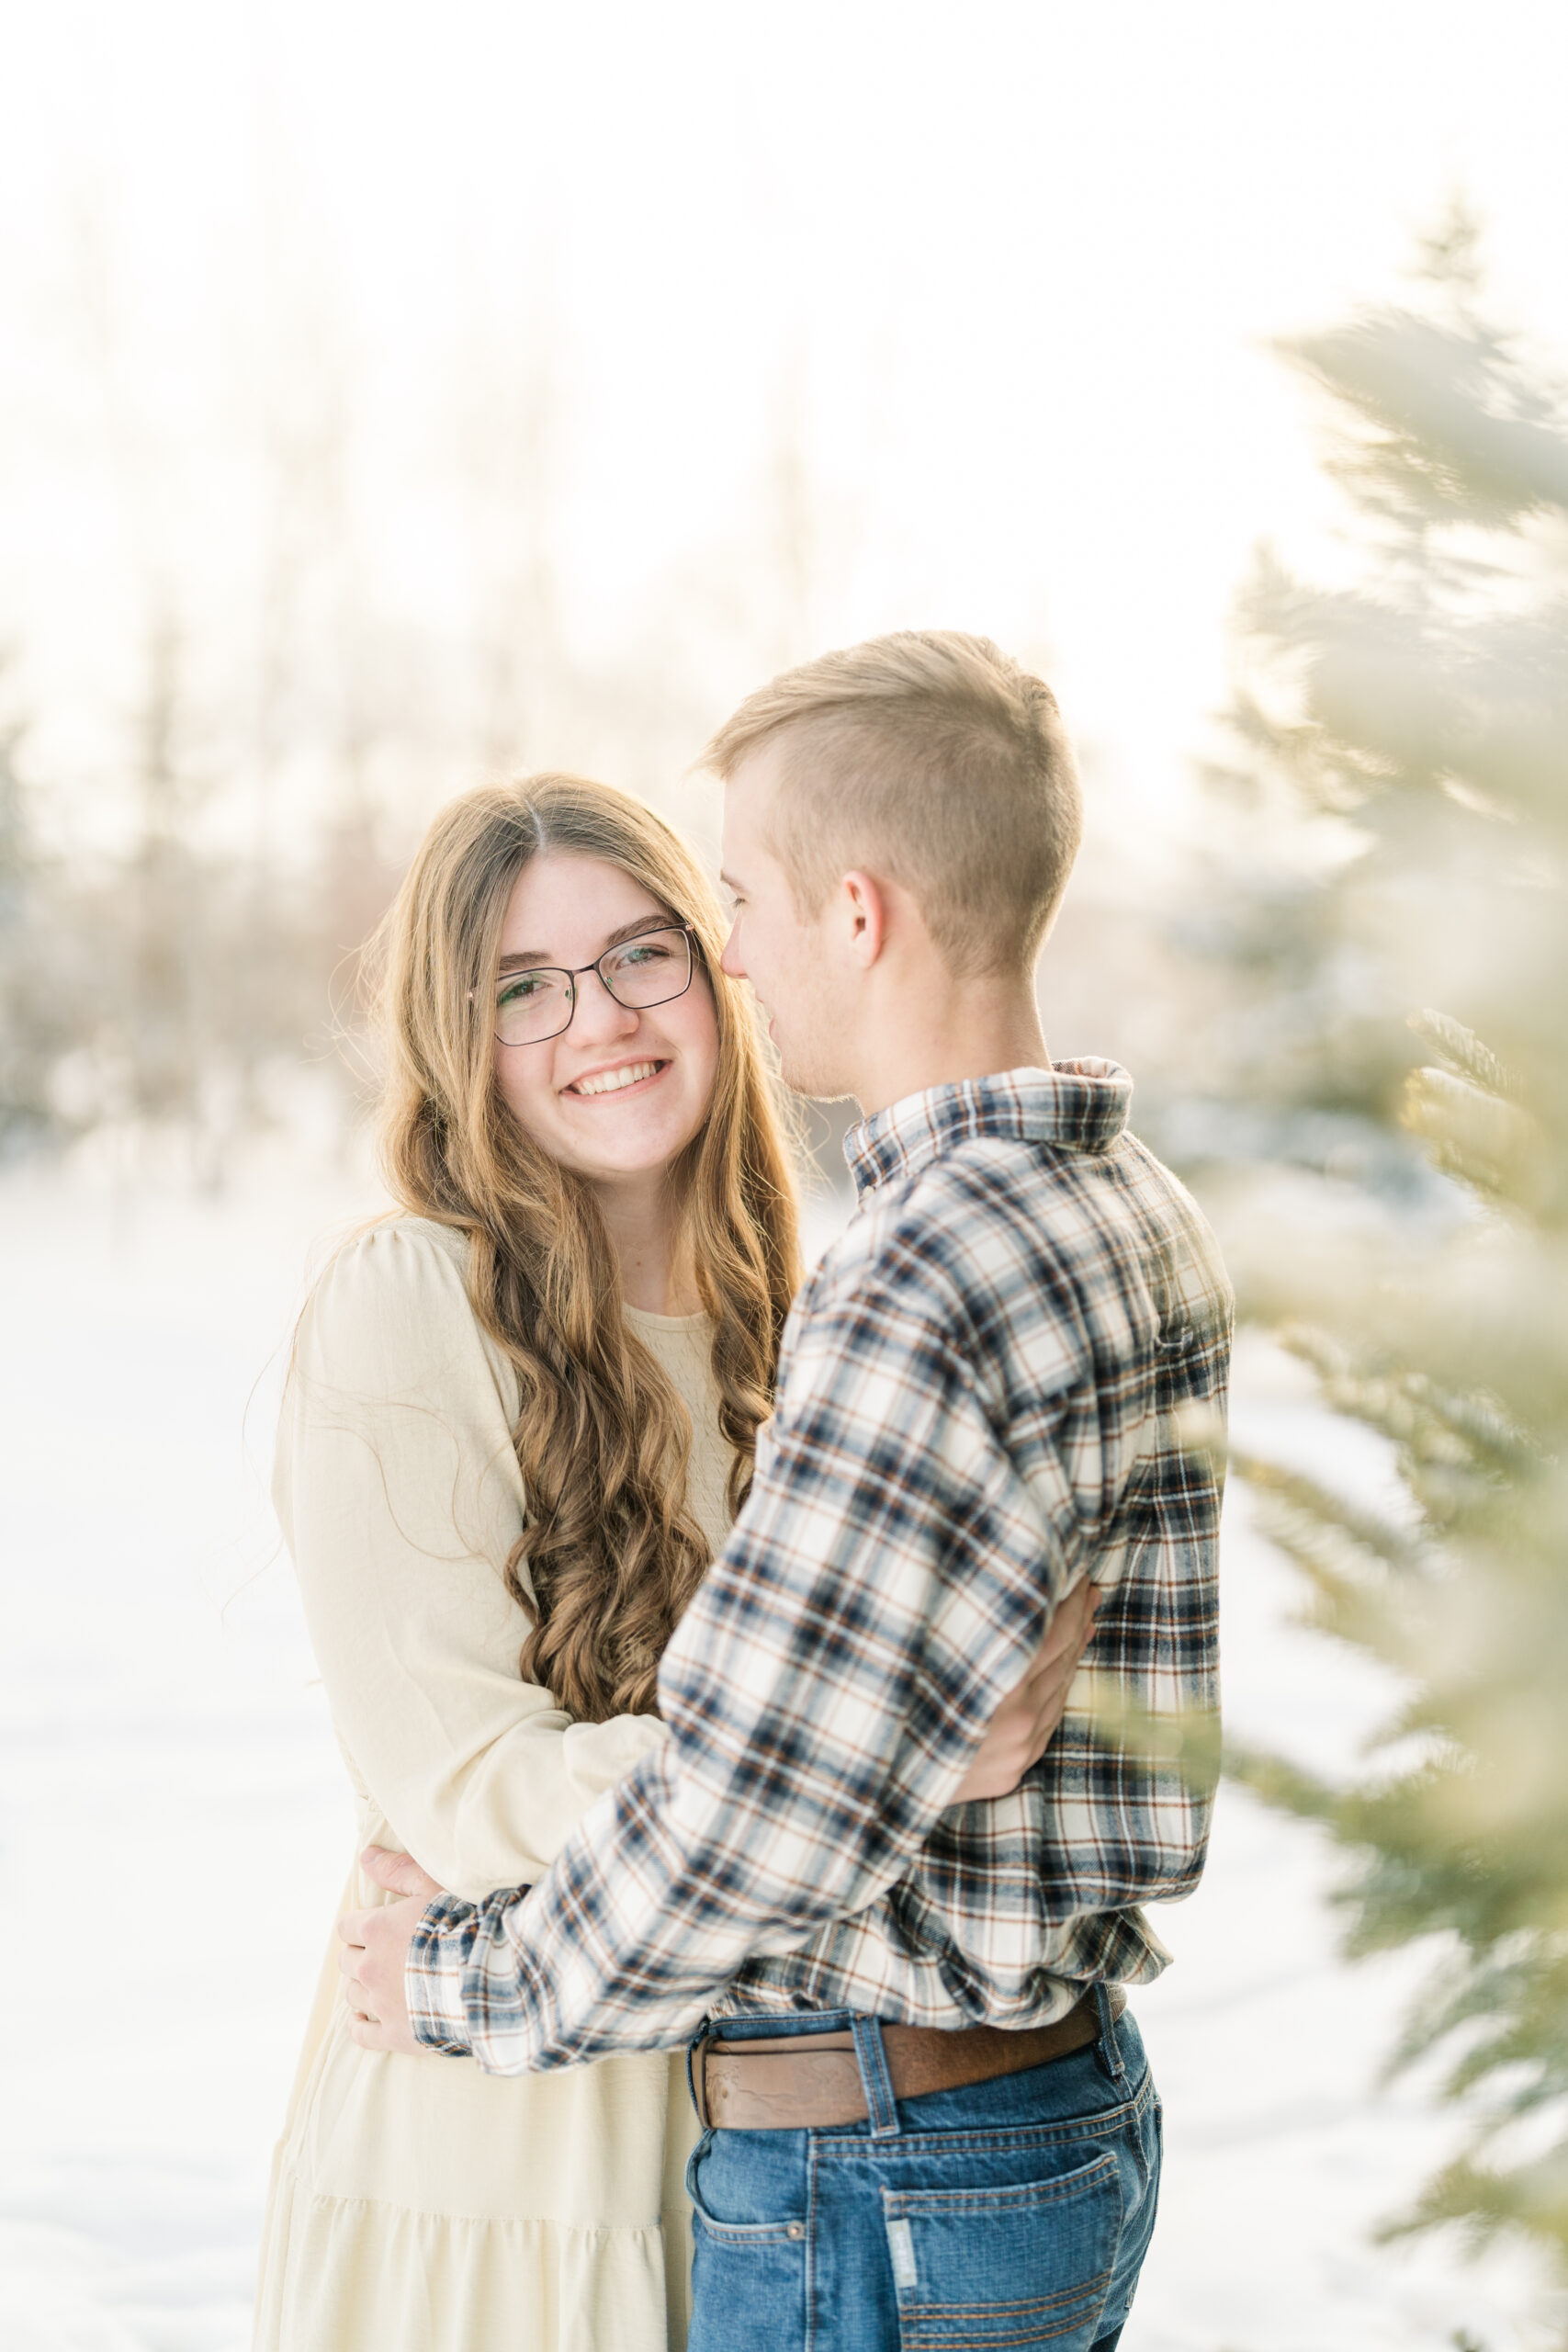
(648, 970)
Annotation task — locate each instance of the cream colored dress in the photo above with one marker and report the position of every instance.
(417, 2204)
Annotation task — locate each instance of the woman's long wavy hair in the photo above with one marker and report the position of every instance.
(610, 1554)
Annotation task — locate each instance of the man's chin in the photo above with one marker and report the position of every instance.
(804, 1071)
(811, 1079)
(795, 1074)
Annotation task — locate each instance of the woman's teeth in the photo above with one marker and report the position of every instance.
(610, 1082)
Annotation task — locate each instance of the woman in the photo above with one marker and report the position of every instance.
(520, 1416)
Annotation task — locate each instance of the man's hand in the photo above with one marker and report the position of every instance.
(375, 1950)
(1020, 1730)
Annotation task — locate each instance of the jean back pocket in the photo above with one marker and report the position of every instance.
(1005, 2269)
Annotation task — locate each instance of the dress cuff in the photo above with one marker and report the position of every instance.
(432, 1976)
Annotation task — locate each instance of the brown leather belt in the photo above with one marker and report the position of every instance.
(810, 2082)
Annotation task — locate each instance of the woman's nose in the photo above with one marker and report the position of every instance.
(597, 1014)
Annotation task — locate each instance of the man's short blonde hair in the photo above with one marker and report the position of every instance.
(933, 760)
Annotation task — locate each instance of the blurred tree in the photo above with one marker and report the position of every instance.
(23, 1069)
(44, 987)
(162, 997)
(1394, 894)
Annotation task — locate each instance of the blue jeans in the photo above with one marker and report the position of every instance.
(1011, 2214)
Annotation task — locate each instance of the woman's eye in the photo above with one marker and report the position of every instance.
(651, 952)
(520, 991)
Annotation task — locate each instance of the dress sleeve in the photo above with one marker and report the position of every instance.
(399, 1497)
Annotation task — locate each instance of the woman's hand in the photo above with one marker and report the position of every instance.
(374, 1951)
(1020, 1730)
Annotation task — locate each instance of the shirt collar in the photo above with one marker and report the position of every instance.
(1077, 1106)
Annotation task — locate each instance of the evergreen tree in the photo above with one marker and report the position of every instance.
(1394, 893)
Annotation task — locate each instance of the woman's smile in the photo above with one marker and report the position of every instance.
(621, 1078)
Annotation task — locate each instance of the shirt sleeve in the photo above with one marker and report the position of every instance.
(881, 1590)
(400, 1495)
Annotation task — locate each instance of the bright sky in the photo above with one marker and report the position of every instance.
(1011, 267)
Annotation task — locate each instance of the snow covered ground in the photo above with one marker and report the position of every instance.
(174, 1830)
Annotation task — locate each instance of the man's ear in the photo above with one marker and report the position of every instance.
(864, 906)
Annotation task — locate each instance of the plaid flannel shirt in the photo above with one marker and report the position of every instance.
(981, 1400)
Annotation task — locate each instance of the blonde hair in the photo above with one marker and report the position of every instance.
(936, 760)
(612, 1553)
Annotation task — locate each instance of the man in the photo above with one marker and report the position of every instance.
(931, 2122)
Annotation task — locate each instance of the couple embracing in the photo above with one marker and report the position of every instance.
(701, 1651)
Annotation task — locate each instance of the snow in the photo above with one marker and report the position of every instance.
(175, 1829)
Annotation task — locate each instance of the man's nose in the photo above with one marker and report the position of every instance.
(730, 960)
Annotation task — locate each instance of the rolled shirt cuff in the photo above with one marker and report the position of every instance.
(432, 1976)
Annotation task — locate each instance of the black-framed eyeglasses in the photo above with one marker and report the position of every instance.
(652, 968)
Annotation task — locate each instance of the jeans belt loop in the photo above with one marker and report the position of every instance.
(871, 2057)
(696, 2073)
(1110, 2049)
